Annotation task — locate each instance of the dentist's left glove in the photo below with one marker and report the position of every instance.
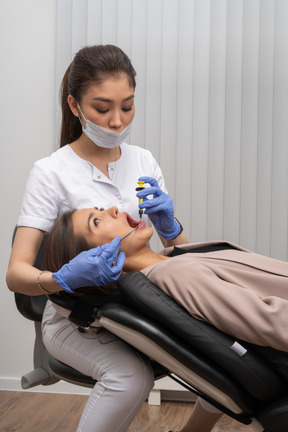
(160, 209)
(93, 267)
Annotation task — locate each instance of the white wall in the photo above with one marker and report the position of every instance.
(211, 104)
(27, 89)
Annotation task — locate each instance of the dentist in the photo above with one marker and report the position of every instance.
(93, 167)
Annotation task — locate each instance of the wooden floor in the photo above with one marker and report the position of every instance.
(46, 412)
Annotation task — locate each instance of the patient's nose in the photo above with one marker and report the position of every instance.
(114, 211)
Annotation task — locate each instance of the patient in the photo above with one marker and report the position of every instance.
(239, 292)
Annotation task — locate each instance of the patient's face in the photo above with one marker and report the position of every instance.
(100, 227)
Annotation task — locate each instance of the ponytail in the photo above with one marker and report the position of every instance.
(71, 128)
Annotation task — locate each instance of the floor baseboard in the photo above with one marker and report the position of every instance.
(14, 384)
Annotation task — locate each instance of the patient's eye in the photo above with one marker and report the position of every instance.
(96, 221)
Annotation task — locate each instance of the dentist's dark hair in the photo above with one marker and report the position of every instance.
(91, 65)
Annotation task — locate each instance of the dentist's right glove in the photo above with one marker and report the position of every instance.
(159, 209)
(94, 267)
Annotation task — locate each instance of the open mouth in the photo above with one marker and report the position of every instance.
(132, 223)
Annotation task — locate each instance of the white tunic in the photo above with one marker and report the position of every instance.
(64, 181)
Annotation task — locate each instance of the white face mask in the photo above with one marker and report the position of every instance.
(103, 137)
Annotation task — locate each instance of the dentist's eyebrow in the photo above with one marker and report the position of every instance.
(102, 99)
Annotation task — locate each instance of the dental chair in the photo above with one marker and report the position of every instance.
(247, 382)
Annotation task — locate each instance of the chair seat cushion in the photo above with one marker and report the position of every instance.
(69, 374)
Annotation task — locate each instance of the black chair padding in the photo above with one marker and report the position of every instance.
(83, 309)
(273, 417)
(277, 359)
(250, 370)
(70, 374)
(182, 351)
(31, 307)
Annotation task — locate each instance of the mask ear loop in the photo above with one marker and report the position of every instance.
(81, 112)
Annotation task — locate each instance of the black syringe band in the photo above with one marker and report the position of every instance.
(140, 210)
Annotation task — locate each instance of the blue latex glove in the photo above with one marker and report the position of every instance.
(159, 208)
(92, 267)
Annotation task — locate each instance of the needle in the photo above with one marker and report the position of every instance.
(126, 235)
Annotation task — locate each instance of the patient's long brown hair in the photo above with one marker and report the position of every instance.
(62, 244)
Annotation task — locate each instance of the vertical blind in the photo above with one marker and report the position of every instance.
(211, 105)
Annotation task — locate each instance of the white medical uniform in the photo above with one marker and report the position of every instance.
(61, 182)
(64, 181)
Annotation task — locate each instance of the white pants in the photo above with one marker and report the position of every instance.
(124, 379)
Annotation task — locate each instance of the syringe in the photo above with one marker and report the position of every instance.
(140, 187)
